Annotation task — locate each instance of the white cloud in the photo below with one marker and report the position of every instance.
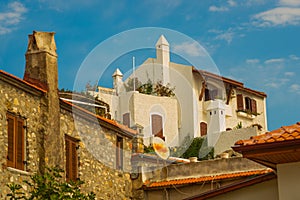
(189, 48)
(274, 60)
(295, 88)
(278, 17)
(11, 17)
(231, 3)
(289, 73)
(289, 2)
(252, 61)
(227, 36)
(294, 57)
(218, 9)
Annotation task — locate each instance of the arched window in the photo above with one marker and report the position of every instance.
(203, 128)
(157, 126)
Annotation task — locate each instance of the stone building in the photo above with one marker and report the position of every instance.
(39, 129)
(204, 103)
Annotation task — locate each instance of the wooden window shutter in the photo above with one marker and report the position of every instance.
(253, 106)
(11, 141)
(71, 158)
(74, 162)
(157, 126)
(20, 145)
(119, 153)
(126, 119)
(203, 128)
(68, 159)
(240, 102)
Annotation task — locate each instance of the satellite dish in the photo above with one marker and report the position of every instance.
(160, 148)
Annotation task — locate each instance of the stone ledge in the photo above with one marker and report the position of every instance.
(18, 171)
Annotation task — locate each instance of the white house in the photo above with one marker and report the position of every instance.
(204, 103)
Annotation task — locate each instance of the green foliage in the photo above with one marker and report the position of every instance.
(146, 88)
(239, 126)
(163, 90)
(131, 83)
(50, 186)
(149, 149)
(157, 89)
(196, 147)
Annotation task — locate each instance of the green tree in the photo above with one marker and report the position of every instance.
(49, 186)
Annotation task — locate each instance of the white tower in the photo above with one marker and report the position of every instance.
(215, 121)
(163, 58)
(117, 80)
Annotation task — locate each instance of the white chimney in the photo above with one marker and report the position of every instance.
(163, 57)
(215, 121)
(117, 80)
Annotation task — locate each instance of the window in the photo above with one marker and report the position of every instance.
(250, 104)
(203, 128)
(16, 142)
(119, 153)
(126, 119)
(211, 94)
(71, 158)
(157, 126)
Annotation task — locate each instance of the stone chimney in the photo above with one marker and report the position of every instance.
(41, 70)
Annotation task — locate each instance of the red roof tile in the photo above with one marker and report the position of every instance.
(22, 81)
(284, 133)
(206, 178)
(112, 122)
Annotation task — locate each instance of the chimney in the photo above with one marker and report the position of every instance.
(215, 121)
(41, 61)
(41, 70)
(163, 58)
(117, 80)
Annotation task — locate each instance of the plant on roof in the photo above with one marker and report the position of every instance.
(195, 147)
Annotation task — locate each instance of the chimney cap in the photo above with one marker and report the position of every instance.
(162, 41)
(117, 73)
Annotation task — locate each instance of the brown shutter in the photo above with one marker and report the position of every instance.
(202, 92)
(119, 153)
(20, 145)
(11, 141)
(157, 126)
(240, 102)
(74, 162)
(126, 119)
(71, 159)
(68, 160)
(253, 106)
(203, 128)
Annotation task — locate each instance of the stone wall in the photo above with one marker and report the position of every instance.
(97, 157)
(27, 105)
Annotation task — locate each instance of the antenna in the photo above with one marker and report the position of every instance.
(133, 70)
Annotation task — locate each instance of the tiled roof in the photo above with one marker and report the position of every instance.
(22, 81)
(109, 121)
(148, 184)
(285, 133)
(238, 85)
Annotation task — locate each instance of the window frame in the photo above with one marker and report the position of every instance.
(71, 166)
(16, 137)
(119, 152)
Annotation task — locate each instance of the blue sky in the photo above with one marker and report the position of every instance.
(253, 41)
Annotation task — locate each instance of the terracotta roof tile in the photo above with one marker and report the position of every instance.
(21, 80)
(284, 133)
(112, 122)
(205, 178)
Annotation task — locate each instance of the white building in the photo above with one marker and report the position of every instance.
(204, 103)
